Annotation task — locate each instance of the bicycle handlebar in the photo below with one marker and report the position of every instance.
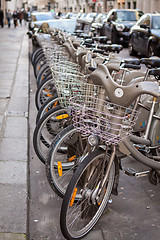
(122, 95)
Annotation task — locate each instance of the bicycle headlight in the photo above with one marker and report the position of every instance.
(120, 27)
(93, 140)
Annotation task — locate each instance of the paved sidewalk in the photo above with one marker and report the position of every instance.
(13, 132)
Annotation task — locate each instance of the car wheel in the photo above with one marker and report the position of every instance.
(131, 50)
(150, 50)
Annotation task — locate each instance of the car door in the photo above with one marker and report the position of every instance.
(143, 35)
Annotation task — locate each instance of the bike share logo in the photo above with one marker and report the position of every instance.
(143, 124)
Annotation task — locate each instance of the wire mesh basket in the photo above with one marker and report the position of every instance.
(92, 113)
(64, 66)
(68, 85)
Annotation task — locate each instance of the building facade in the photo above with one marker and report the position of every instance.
(106, 5)
(81, 5)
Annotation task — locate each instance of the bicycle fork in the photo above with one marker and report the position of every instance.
(109, 165)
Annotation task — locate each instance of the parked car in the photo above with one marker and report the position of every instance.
(85, 21)
(118, 24)
(37, 18)
(98, 23)
(145, 36)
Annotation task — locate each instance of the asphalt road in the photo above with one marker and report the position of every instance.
(133, 215)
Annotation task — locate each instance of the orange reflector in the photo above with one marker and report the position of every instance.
(42, 77)
(71, 158)
(46, 90)
(62, 116)
(59, 169)
(55, 104)
(38, 67)
(49, 95)
(73, 197)
(47, 110)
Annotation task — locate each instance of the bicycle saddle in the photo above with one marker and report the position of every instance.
(151, 62)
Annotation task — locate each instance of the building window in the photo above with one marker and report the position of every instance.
(129, 5)
(134, 5)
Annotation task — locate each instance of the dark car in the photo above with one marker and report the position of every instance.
(145, 36)
(118, 24)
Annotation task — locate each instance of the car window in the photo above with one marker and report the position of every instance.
(147, 20)
(156, 22)
(112, 17)
(144, 20)
(126, 16)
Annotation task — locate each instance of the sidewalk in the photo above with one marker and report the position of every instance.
(13, 132)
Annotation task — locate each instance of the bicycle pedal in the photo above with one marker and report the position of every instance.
(132, 172)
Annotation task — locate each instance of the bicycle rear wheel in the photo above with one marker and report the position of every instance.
(79, 216)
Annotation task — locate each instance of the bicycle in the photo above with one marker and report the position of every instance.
(90, 187)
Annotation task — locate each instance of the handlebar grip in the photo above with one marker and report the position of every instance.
(154, 72)
(133, 66)
(132, 61)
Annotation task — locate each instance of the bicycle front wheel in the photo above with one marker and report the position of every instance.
(81, 209)
(63, 158)
(47, 128)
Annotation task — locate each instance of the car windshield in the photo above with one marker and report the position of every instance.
(126, 16)
(156, 22)
(42, 17)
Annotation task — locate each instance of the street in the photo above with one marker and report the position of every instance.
(132, 215)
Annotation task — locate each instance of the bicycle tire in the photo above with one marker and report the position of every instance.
(45, 131)
(43, 73)
(44, 92)
(89, 213)
(64, 152)
(49, 104)
(35, 55)
(37, 66)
